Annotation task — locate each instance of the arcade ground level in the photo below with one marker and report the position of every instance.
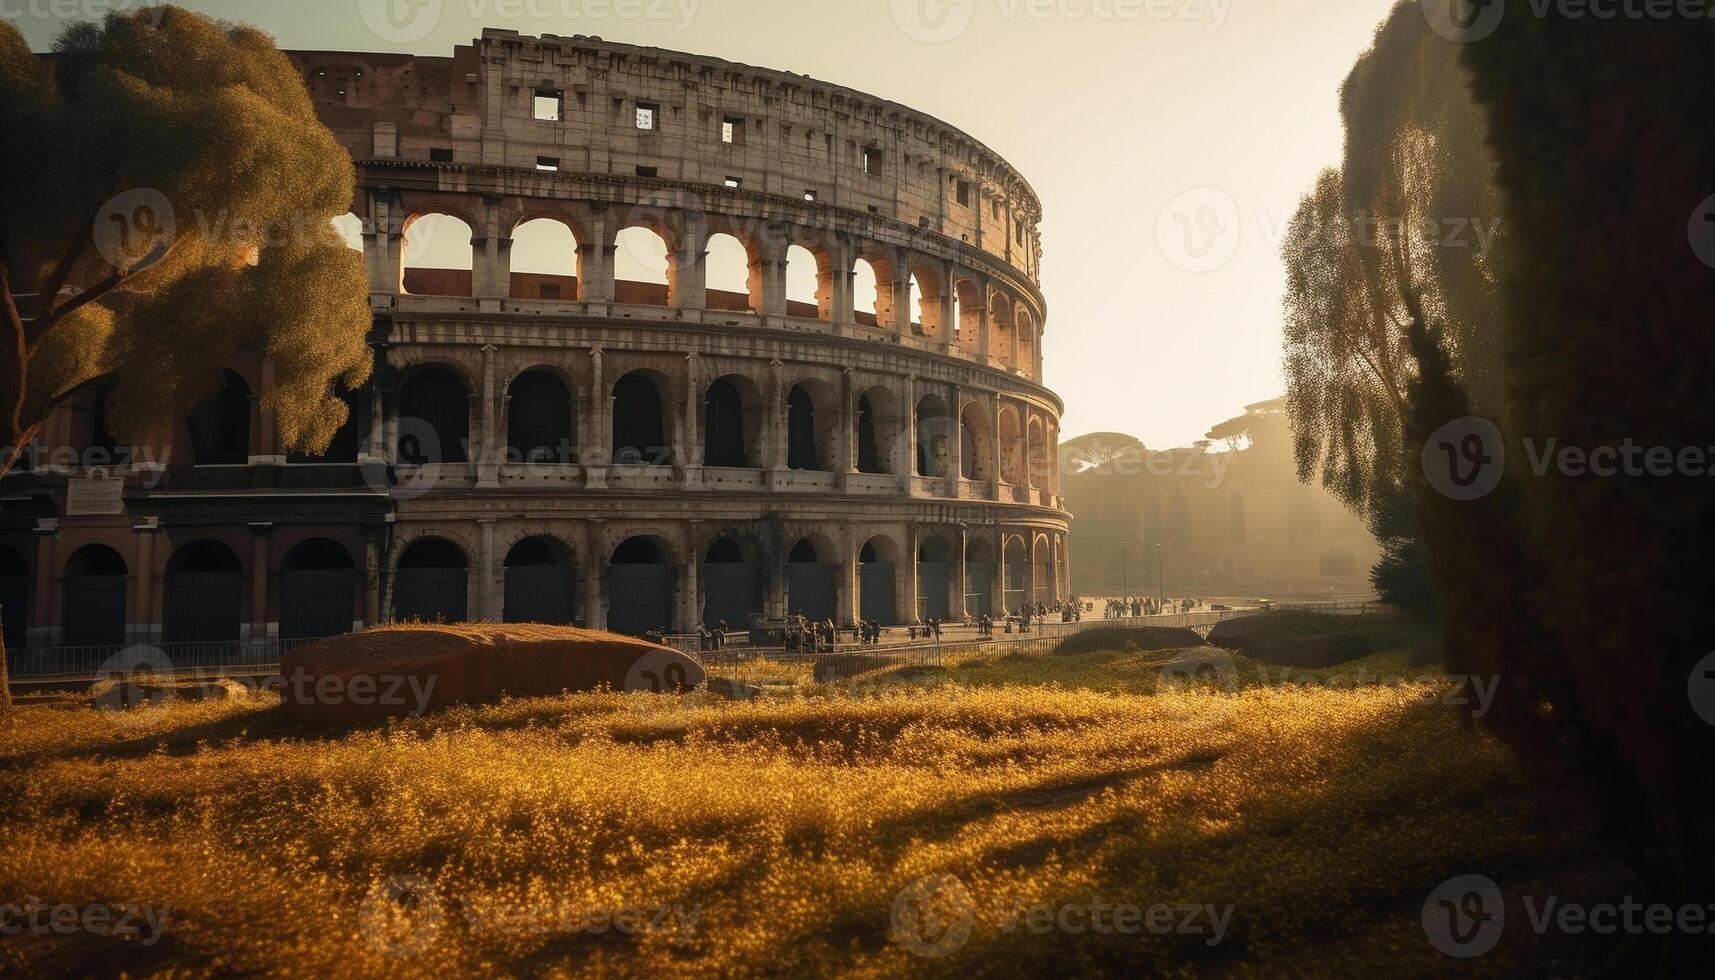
(247, 572)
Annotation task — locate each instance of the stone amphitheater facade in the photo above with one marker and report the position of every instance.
(586, 448)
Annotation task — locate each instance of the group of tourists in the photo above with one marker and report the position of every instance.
(931, 630)
(1131, 607)
(809, 636)
(712, 639)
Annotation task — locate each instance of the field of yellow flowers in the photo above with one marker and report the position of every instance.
(937, 822)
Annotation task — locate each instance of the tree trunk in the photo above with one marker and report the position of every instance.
(5, 674)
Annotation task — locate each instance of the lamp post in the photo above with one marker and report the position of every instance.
(1125, 572)
(1160, 578)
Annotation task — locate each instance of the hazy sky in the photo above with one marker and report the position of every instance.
(1142, 124)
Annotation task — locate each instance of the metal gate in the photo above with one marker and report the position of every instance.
(639, 598)
(932, 577)
(203, 607)
(316, 602)
(810, 590)
(538, 594)
(979, 588)
(875, 593)
(430, 595)
(95, 610)
(730, 592)
(15, 610)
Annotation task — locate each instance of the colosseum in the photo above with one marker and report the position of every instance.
(574, 446)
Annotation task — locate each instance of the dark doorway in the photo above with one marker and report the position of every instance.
(205, 594)
(317, 584)
(539, 422)
(434, 418)
(95, 587)
(639, 423)
(723, 426)
(432, 583)
(220, 426)
(639, 588)
(731, 586)
(538, 583)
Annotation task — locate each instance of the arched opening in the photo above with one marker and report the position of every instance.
(432, 583)
(934, 436)
(1042, 572)
(979, 577)
(540, 420)
(1038, 454)
(317, 583)
(810, 421)
(810, 582)
(14, 596)
(934, 578)
(732, 423)
(640, 422)
(1015, 572)
(926, 301)
(976, 444)
(1000, 329)
(205, 594)
(968, 313)
(732, 587)
(1011, 447)
(1026, 325)
(809, 284)
(220, 426)
(878, 424)
(866, 294)
(642, 268)
(730, 275)
(539, 583)
(94, 597)
(434, 418)
(878, 563)
(639, 587)
(438, 256)
(544, 261)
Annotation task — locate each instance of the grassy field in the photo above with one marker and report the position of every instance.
(921, 823)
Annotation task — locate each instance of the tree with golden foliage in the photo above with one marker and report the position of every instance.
(166, 199)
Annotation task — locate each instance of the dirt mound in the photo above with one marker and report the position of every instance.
(1131, 638)
(395, 671)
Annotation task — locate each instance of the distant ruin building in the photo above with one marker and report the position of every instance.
(573, 445)
(1229, 515)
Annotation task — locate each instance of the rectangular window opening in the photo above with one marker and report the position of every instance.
(962, 194)
(810, 195)
(646, 112)
(548, 104)
(734, 182)
(440, 154)
(871, 160)
(648, 171)
(548, 164)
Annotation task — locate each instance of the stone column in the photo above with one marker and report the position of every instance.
(260, 535)
(908, 581)
(1001, 605)
(908, 482)
(775, 427)
(372, 582)
(687, 444)
(486, 602)
(487, 457)
(597, 450)
(145, 627)
(999, 452)
(845, 448)
(768, 286)
(1030, 567)
(955, 440)
(44, 627)
(983, 324)
(843, 278)
(689, 275)
(595, 583)
(690, 592)
(374, 446)
(847, 604)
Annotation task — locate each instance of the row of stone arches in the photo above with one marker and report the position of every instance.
(734, 422)
(729, 265)
(205, 589)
